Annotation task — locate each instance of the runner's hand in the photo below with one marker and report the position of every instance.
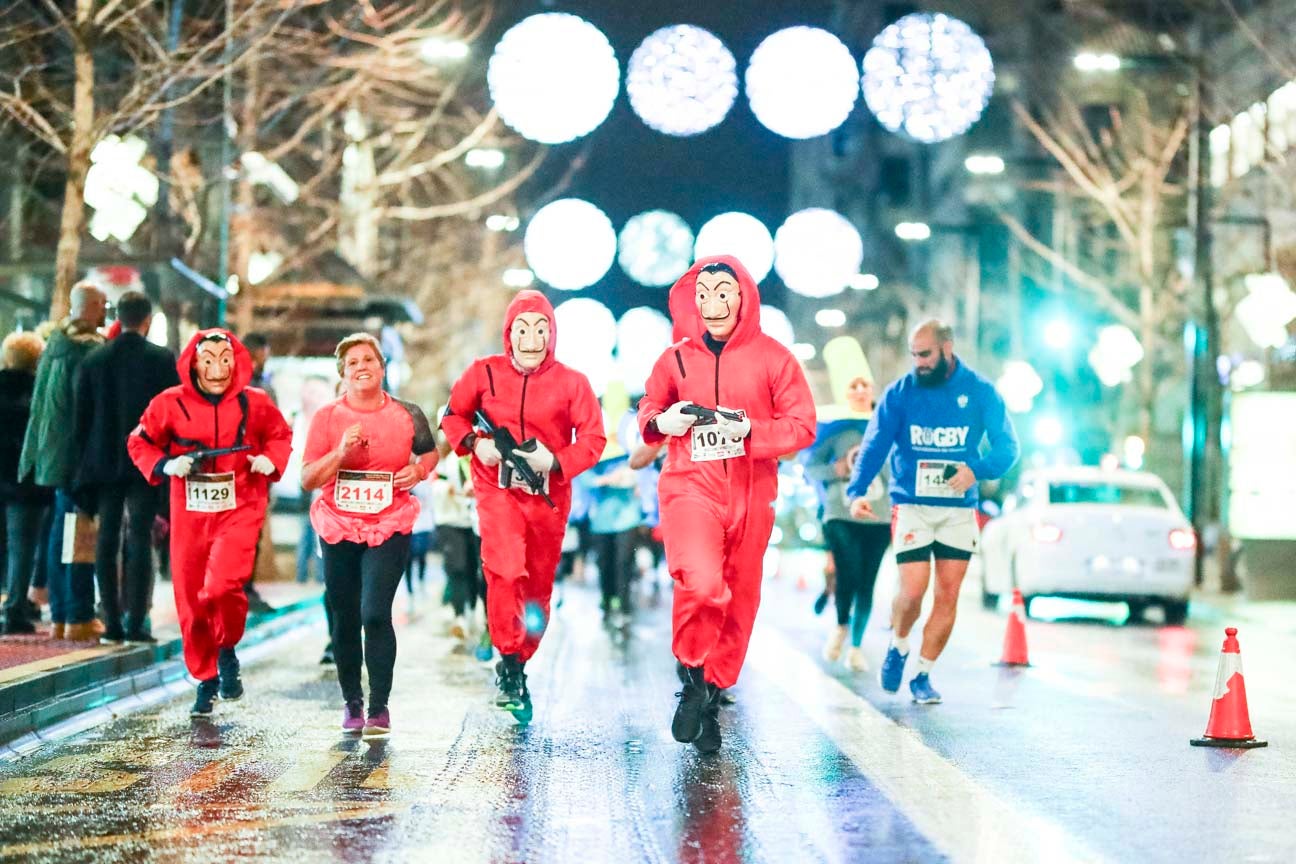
(407, 477)
(963, 480)
(733, 428)
(487, 452)
(178, 467)
(673, 421)
(351, 439)
(860, 508)
(261, 464)
(540, 459)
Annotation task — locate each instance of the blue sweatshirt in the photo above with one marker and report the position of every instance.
(928, 431)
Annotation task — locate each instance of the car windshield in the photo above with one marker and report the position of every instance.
(1105, 493)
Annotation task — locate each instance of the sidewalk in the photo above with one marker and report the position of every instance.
(43, 682)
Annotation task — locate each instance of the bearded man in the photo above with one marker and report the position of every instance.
(218, 502)
(551, 411)
(720, 479)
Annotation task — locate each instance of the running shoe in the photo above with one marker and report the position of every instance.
(205, 702)
(833, 647)
(378, 723)
(507, 673)
(892, 670)
(855, 661)
(231, 685)
(697, 694)
(922, 690)
(353, 722)
(459, 627)
(708, 740)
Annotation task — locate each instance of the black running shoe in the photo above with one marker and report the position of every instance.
(708, 740)
(206, 699)
(508, 679)
(693, 700)
(231, 685)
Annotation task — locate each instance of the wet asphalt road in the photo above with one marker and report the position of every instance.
(1084, 756)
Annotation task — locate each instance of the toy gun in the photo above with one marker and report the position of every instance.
(708, 415)
(198, 456)
(511, 452)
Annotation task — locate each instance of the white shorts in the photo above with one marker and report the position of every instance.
(919, 531)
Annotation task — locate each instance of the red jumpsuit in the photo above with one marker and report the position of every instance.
(212, 553)
(716, 516)
(521, 534)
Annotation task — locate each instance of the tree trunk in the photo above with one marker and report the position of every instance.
(78, 164)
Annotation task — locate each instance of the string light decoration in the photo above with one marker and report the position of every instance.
(681, 80)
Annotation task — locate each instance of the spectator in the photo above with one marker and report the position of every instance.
(258, 345)
(25, 504)
(114, 385)
(50, 450)
(315, 393)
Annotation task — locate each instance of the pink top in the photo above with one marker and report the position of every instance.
(390, 435)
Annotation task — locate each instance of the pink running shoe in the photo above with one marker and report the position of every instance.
(353, 718)
(378, 724)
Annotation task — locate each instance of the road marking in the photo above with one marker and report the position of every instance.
(91, 784)
(210, 776)
(204, 829)
(309, 769)
(963, 818)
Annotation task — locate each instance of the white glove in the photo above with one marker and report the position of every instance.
(733, 428)
(261, 464)
(673, 421)
(540, 459)
(487, 452)
(178, 467)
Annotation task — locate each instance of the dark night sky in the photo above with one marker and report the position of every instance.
(737, 165)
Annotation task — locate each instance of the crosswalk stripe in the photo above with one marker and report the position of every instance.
(963, 818)
(309, 769)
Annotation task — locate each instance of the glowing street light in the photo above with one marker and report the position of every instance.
(1115, 354)
(681, 80)
(983, 163)
(438, 49)
(803, 351)
(1049, 431)
(740, 235)
(656, 248)
(519, 277)
(830, 318)
(501, 222)
(913, 231)
(1019, 385)
(1057, 334)
(776, 325)
(863, 282)
(553, 77)
(801, 82)
(1088, 61)
(484, 157)
(817, 252)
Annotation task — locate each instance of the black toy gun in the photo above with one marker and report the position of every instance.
(511, 452)
(708, 415)
(198, 456)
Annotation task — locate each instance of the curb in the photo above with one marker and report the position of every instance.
(141, 678)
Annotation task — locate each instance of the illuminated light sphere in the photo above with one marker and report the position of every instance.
(642, 335)
(817, 252)
(1019, 385)
(928, 76)
(681, 80)
(569, 244)
(776, 325)
(740, 235)
(587, 334)
(656, 248)
(553, 77)
(802, 82)
(1115, 354)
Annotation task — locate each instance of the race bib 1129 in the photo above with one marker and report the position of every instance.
(209, 493)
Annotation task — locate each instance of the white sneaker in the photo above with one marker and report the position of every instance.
(833, 647)
(459, 628)
(855, 661)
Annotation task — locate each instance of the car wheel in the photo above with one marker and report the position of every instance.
(1176, 612)
(1137, 610)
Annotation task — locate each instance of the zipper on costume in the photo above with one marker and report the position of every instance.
(724, 462)
(522, 409)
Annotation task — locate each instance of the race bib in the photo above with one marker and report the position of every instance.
(933, 478)
(209, 493)
(363, 491)
(514, 480)
(709, 445)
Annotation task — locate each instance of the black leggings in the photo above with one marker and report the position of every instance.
(461, 558)
(616, 566)
(360, 584)
(857, 549)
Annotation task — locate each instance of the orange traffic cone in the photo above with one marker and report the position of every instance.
(1014, 649)
(1230, 723)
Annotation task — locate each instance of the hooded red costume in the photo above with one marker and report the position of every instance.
(716, 516)
(521, 534)
(212, 552)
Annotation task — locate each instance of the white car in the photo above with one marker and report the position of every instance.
(1091, 534)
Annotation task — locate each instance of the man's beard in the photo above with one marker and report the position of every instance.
(935, 376)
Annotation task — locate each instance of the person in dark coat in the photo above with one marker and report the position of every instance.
(25, 504)
(114, 384)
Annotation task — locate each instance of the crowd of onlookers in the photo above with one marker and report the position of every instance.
(80, 522)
